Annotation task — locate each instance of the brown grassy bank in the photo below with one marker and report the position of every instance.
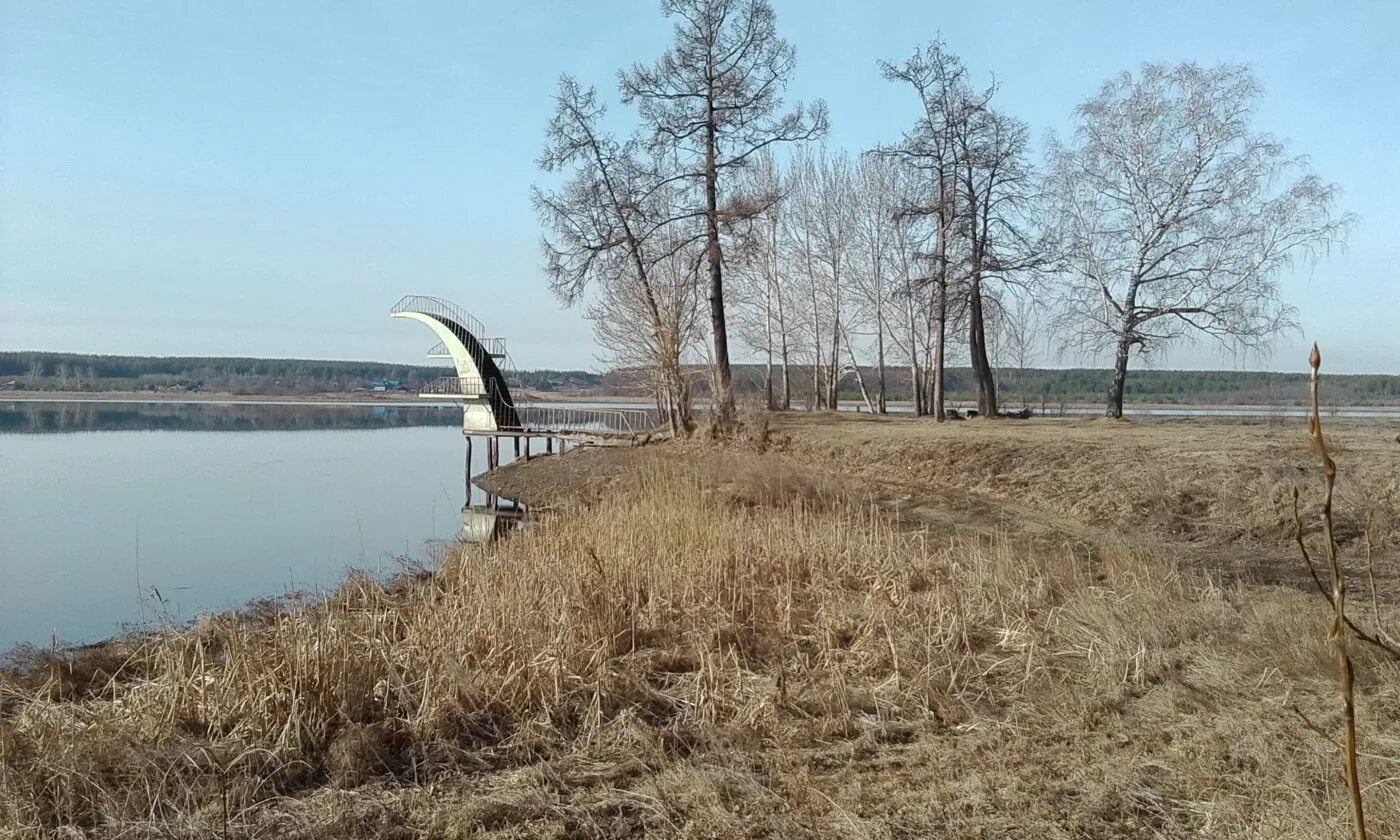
(1206, 481)
(720, 646)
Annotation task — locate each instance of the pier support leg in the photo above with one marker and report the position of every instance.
(468, 475)
(517, 446)
(549, 445)
(527, 449)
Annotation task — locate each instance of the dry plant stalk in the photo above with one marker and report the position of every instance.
(1337, 633)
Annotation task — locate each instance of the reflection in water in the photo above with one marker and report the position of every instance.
(487, 518)
(488, 523)
(42, 417)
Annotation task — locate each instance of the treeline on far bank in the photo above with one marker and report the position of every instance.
(42, 371)
(1052, 386)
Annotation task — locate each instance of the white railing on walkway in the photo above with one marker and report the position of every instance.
(634, 421)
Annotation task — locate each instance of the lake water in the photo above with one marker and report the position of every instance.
(114, 514)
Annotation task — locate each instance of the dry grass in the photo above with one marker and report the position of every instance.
(1206, 484)
(737, 651)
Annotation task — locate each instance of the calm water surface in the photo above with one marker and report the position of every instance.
(112, 514)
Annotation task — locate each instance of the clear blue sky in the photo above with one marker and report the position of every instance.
(267, 178)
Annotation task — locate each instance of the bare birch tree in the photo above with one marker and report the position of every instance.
(879, 198)
(1176, 218)
(1018, 336)
(624, 326)
(764, 302)
(714, 100)
(833, 214)
(914, 296)
(800, 235)
(821, 229)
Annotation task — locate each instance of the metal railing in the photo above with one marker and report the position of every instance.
(438, 308)
(459, 386)
(495, 348)
(633, 421)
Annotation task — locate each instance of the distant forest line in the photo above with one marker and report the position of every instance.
(41, 371)
(1053, 386)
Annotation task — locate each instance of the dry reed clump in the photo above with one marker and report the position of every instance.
(714, 658)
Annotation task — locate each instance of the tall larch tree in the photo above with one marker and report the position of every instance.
(713, 101)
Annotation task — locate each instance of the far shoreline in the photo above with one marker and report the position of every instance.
(412, 399)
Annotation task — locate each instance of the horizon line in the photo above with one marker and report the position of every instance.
(888, 367)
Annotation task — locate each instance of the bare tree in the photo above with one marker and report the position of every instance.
(973, 159)
(611, 222)
(995, 188)
(930, 149)
(921, 318)
(800, 227)
(714, 100)
(820, 225)
(880, 199)
(765, 292)
(1019, 332)
(36, 370)
(626, 327)
(1175, 217)
(831, 211)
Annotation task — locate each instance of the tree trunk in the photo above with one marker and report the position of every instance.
(782, 323)
(941, 315)
(724, 400)
(818, 392)
(1126, 334)
(977, 345)
(1116, 386)
(687, 421)
(833, 372)
(940, 344)
(860, 377)
(787, 381)
(880, 361)
(916, 384)
(768, 340)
